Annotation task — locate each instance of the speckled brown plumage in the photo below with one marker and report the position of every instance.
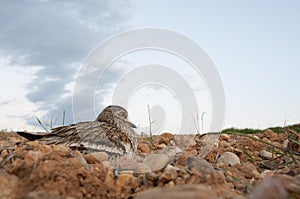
(110, 132)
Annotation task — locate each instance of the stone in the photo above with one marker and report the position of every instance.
(277, 144)
(131, 164)
(225, 137)
(144, 148)
(270, 188)
(126, 183)
(228, 159)
(229, 179)
(141, 168)
(255, 136)
(179, 181)
(170, 184)
(266, 155)
(96, 158)
(183, 173)
(183, 158)
(266, 173)
(271, 135)
(199, 164)
(165, 138)
(169, 167)
(161, 146)
(209, 142)
(285, 143)
(250, 171)
(156, 162)
(168, 175)
(184, 141)
(204, 171)
(151, 176)
(171, 151)
(125, 163)
(227, 145)
(179, 192)
(172, 143)
(266, 140)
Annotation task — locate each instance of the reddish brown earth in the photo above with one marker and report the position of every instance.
(34, 170)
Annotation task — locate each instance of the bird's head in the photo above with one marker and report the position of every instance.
(115, 114)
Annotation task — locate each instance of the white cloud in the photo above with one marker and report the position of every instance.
(55, 36)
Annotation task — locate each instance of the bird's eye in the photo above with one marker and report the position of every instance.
(122, 114)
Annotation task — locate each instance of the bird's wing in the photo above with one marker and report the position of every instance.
(93, 137)
(61, 135)
(89, 136)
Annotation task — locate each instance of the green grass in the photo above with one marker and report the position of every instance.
(277, 129)
(52, 122)
(243, 131)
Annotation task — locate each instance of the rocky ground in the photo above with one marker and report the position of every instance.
(261, 165)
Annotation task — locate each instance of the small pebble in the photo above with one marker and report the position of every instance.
(229, 159)
(266, 155)
(250, 171)
(161, 146)
(168, 176)
(271, 134)
(151, 176)
(96, 158)
(267, 173)
(285, 143)
(225, 137)
(156, 162)
(144, 148)
(141, 168)
(165, 138)
(200, 165)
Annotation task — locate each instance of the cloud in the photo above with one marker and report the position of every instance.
(9, 101)
(55, 36)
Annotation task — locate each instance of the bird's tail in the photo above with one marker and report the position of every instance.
(29, 136)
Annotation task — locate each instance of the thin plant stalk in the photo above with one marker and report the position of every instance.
(150, 123)
(41, 124)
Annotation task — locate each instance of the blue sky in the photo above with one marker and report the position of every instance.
(255, 46)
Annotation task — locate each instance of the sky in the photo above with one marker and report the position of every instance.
(254, 46)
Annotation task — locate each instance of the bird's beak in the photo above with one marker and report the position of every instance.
(131, 124)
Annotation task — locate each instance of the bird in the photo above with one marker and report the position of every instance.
(111, 132)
